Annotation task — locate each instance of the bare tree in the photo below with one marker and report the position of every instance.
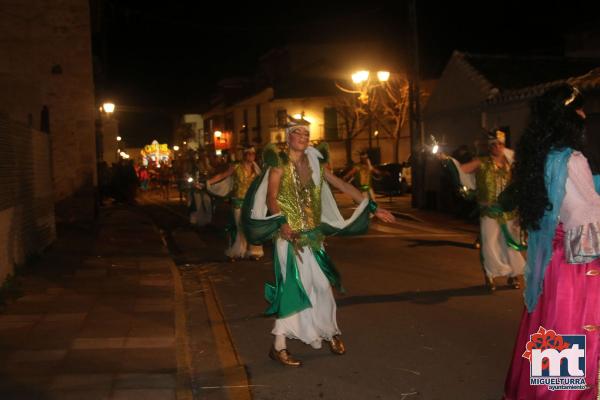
(389, 108)
(384, 104)
(348, 110)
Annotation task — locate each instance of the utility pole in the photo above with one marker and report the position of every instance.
(416, 134)
(370, 124)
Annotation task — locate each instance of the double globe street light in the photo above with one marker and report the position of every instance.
(364, 84)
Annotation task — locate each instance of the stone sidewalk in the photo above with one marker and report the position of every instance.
(97, 318)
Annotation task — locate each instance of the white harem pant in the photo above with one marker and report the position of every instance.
(315, 323)
(498, 258)
(240, 247)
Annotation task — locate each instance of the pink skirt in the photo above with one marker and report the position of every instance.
(570, 300)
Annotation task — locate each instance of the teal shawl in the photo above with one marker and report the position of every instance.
(539, 251)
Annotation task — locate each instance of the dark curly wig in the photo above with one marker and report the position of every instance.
(553, 124)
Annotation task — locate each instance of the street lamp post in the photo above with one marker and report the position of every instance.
(416, 134)
(365, 84)
(108, 108)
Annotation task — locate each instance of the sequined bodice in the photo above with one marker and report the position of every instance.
(300, 203)
(491, 181)
(363, 175)
(242, 178)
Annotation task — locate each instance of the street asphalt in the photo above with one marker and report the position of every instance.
(416, 319)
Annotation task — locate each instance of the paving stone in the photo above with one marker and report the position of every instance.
(90, 273)
(124, 262)
(116, 300)
(96, 394)
(37, 355)
(69, 307)
(160, 282)
(20, 318)
(145, 381)
(43, 342)
(77, 298)
(114, 308)
(149, 342)
(32, 308)
(32, 362)
(148, 308)
(164, 318)
(144, 394)
(123, 270)
(155, 264)
(108, 314)
(155, 300)
(98, 343)
(15, 325)
(93, 361)
(54, 330)
(23, 386)
(81, 382)
(154, 324)
(154, 291)
(64, 317)
(33, 298)
(156, 361)
(94, 262)
(108, 329)
(55, 290)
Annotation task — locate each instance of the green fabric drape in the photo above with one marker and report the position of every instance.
(287, 296)
(231, 228)
(258, 231)
(497, 211)
(359, 227)
(192, 207)
(329, 269)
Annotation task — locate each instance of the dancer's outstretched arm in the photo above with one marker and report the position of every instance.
(471, 166)
(355, 194)
(349, 174)
(221, 176)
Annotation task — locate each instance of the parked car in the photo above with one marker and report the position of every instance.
(396, 179)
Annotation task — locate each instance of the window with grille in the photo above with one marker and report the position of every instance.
(281, 118)
(331, 123)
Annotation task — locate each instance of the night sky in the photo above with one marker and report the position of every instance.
(165, 57)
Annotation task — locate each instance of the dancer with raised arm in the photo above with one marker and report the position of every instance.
(293, 205)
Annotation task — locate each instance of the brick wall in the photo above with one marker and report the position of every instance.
(26, 195)
(47, 61)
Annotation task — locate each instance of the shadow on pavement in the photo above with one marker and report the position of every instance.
(425, 298)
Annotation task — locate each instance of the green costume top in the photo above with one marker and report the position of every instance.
(301, 205)
(242, 178)
(491, 180)
(363, 177)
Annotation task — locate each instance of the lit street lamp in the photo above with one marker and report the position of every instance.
(119, 138)
(364, 84)
(176, 148)
(108, 107)
(383, 76)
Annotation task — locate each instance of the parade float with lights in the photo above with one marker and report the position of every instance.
(156, 154)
